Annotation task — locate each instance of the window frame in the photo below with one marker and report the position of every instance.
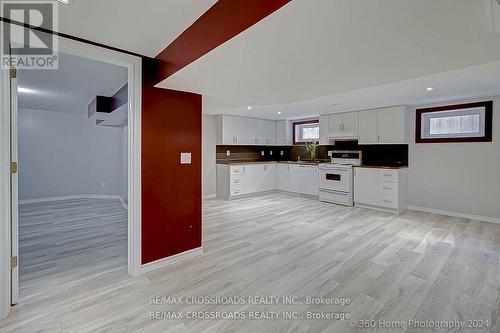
(488, 123)
(304, 122)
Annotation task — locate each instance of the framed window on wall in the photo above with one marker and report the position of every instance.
(305, 131)
(470, 122)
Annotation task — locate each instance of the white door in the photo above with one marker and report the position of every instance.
(368, 127)
(366, 186)
(14, 190)
(293, 178)
(282, 176)
(334, 126)
(350, 124)
(391, 125)
(308, 176)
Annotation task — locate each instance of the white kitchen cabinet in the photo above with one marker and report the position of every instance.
(283, 133)
(368, 127)
(308, 180)
(337, 126)
(381, 188)
(287, 177)
(384, 126)
(269, 177)
(323, 129)
(233, 130)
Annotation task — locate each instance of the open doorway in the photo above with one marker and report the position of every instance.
(73, 171)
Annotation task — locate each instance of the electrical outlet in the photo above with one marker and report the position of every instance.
(228, 153)
(282, 153)
(271, 153)
(262, 153)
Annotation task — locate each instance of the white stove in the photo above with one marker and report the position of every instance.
(336, 180)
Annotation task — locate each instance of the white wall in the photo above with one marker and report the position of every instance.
(64, 154)
(208, 127)
(458, 177)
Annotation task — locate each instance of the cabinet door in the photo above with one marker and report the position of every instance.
(269, 177)
(282, 177)
(334, 126)
(366, 186)
(391, 125)
(250, 131)
(270, 132)
(308, 180)
(368, 127)
(240, 130)
(250, 178)
(350, 124)
(293, 178)
(228, 124)
(323, 130)
(280, 132)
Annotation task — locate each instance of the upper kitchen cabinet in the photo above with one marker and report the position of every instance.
(283, 133)
(384, 126)
(233, 130)
(338, 126)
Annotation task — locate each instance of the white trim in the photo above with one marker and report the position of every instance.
(209, 196)
(72, 197)
(164, 262)
(5, 234)
(134, 66)
(455, 214)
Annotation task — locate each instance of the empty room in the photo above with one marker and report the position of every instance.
(250, 166)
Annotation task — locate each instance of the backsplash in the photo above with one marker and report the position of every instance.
(389, 155)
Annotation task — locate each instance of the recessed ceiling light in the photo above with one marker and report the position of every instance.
(279, 112)
(249, 108)
(430, 89)
(23, 90)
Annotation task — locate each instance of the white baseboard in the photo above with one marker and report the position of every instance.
(164, 262)
(456, 214)
(209, 196)
(72, 197)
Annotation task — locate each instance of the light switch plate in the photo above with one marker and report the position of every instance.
(271, 153)
(185, 158)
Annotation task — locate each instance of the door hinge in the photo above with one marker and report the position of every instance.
(13, 73)
(13, 167)
(13, 262)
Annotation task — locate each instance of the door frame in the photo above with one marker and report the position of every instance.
(134, 67)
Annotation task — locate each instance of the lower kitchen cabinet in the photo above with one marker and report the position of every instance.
(308, 180)
(245, 179)
(381, 188)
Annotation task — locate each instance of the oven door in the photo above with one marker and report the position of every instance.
(334, 179)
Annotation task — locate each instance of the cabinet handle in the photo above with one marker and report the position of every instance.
(386, 201)
(387, 188)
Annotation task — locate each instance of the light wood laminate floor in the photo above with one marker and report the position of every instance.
(415, 266)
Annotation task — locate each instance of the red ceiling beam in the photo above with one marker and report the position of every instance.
(224, 20)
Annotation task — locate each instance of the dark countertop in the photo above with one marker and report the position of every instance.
(382, 166)
(240, 162)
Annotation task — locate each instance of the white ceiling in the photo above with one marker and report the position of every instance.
(71, 87)
(145, 27)
(362, 54)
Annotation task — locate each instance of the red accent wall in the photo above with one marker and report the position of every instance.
(171, 192)
(224, 20)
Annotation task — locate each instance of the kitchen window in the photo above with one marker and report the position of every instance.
(455, 123)
(305, 131)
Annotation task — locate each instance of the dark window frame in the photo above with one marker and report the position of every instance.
(304, 122)
(488, 123)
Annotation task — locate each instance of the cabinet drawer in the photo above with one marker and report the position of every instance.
(388, 175)
(237, 170)
(390, 188)
(236, 180)
(389, 201)
(236, 189)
